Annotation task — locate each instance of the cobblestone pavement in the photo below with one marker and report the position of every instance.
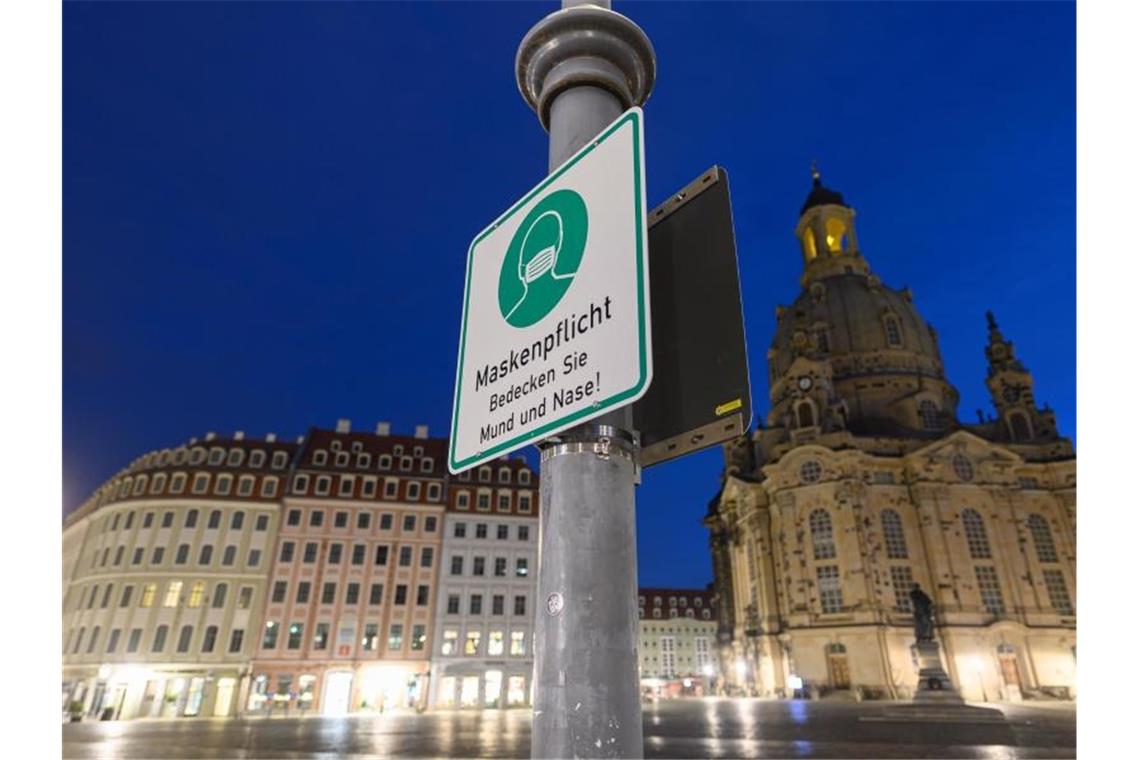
(673, 729)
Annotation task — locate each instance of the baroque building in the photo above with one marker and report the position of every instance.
(233, 576)
(863, 481)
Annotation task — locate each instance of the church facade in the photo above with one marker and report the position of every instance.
(863, 482)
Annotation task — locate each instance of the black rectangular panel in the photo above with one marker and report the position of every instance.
(700, 393)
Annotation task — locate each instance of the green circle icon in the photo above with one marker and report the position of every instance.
(543, 258)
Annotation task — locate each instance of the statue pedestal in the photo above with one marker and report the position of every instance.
(933, 683)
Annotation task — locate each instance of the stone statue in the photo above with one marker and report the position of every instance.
(923, 614)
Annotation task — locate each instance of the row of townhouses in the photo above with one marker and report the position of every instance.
(342, 572)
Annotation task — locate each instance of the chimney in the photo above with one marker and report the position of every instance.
(383, 428)
(211, 435)
(421, 431)
(270, 437)
(300, 439)
(343, 426)
(239, 435)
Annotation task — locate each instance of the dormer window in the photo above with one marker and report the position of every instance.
(893, 331)
(805, 414)
(320, 456)
(217, 455)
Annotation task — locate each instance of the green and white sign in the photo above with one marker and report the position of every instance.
(555, 324)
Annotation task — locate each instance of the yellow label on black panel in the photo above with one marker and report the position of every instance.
(729, 407)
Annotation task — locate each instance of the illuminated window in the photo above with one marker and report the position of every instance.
(471, 644)
(146, 599)
(270, 640)
(450, 642)
(518, 643)
(823, 542)
(808, 243)
(419, 637)
(976, 539)
(495, 643)
(396, 637)
(197, 591)
(173, 591)
(835, 231)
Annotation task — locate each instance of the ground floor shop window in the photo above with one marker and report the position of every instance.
(446, 697)
(305, 687)
(469, 694)
(492, 687)
(516, 691)
(258, 693)
(194, 701)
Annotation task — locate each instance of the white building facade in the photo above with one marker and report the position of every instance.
(677, 642)
(482, 648)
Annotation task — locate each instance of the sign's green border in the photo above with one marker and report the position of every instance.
(633, 115)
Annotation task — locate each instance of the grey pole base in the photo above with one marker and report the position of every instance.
(587, 693)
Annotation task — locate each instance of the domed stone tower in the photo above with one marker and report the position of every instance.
(864, 483)
(851, 353)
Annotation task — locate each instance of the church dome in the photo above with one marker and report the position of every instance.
(857, 349)
(846, 316)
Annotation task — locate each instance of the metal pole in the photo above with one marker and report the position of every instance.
(580, 68)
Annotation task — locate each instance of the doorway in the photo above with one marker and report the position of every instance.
(837, 666)
(224, 698)
(338, 689)
(1010, 673)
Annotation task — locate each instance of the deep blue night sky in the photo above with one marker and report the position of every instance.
(267, 206)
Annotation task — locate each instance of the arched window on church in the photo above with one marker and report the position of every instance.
(929, 415)
(822, 540)
(805, 414)
(836, 233)
(893, 536)
(1019, 427)
(976, 539)
(1042, 539)
(893, 331)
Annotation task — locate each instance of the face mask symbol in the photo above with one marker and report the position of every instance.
(542, 261)
(543, 258)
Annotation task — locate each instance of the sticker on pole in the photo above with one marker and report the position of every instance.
(555, 326)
